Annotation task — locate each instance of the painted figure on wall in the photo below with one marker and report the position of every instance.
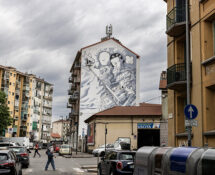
(108, 78)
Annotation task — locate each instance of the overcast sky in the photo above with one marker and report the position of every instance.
(43, 37)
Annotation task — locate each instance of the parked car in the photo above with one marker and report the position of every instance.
(22, 141)
(9, 163)
(8, 144)
(57, 148)
(31, 145)
(117, 162)
(65, 150)
(101, 149)
(22, 153)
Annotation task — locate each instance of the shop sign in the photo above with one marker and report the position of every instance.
(148, 125)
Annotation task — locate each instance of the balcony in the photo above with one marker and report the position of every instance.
(176, 77)
(77, 80)
(69, 105)
(70, 79)
(73, 98)
(26, 88)
(77, 65)
(176, 21)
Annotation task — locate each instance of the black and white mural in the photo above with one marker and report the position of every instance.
(108, 78)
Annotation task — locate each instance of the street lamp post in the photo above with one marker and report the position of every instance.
(188, 64)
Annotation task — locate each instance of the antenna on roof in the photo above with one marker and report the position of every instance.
(109, 30)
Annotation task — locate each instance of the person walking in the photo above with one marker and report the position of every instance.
(50, 159)
(36, 150)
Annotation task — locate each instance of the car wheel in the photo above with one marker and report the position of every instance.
(102, 153)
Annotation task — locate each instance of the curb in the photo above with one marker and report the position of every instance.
(92, 170)
(89, 167)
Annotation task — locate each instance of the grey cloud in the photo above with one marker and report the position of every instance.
(43, 37)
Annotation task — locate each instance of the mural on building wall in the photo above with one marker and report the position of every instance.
(91, 134)
(108, 78)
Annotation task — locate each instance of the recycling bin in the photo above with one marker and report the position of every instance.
(182, 161)
(206, 164)
(143, 160)
(157, 159)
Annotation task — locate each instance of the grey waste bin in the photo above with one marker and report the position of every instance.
(143, 163)
(157, 159)
(182, 161)
(206, 164)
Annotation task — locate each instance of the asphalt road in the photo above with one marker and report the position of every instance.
(64, 166)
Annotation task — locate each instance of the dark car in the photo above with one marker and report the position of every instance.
(9, 163)
(117, 162)
(22, 153)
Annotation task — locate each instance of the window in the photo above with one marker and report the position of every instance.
(14, 75)
(10, 74)
(10, 83)
(12, 93)
(8, 102)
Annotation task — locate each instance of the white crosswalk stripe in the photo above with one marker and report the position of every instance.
(78, 170)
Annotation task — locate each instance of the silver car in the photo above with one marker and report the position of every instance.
(101, 149)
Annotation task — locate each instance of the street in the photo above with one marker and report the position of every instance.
(67, 166)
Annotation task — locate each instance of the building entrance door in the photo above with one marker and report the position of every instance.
(148, 137)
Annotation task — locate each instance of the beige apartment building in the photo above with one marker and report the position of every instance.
(62, 128)
(30, 104)
(202, 42)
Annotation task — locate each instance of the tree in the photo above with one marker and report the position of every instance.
(5, 119)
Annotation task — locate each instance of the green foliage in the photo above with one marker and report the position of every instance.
(5, 119)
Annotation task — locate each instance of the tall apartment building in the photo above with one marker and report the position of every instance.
(30, 103)
(103, 75)
(202, 42)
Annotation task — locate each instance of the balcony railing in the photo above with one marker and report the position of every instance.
(176, 76)
(175, 21)
(70, 79)
(77, 80)
(69, 105)
(77, 65)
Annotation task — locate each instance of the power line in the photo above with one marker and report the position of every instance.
(152, 99)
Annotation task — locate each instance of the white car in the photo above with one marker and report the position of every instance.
(101, 149)
(65, 150)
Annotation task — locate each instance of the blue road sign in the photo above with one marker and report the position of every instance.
(190, 111)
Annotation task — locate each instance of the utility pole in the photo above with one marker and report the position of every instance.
(105, 136)
(188, 64)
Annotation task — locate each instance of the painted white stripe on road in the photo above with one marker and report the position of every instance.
(78, 170)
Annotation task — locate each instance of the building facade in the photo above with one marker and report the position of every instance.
(164, 103)
(61, 127)
(202, 44)
(103, 75)
(30, 104)
(138, 124)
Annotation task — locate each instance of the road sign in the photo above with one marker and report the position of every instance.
(190, 111)
(191, 123)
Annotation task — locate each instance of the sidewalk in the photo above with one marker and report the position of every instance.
(81, 155)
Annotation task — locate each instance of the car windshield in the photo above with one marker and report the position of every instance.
(65, 146)
(126, 156)
(18, 150)
(3, 157)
